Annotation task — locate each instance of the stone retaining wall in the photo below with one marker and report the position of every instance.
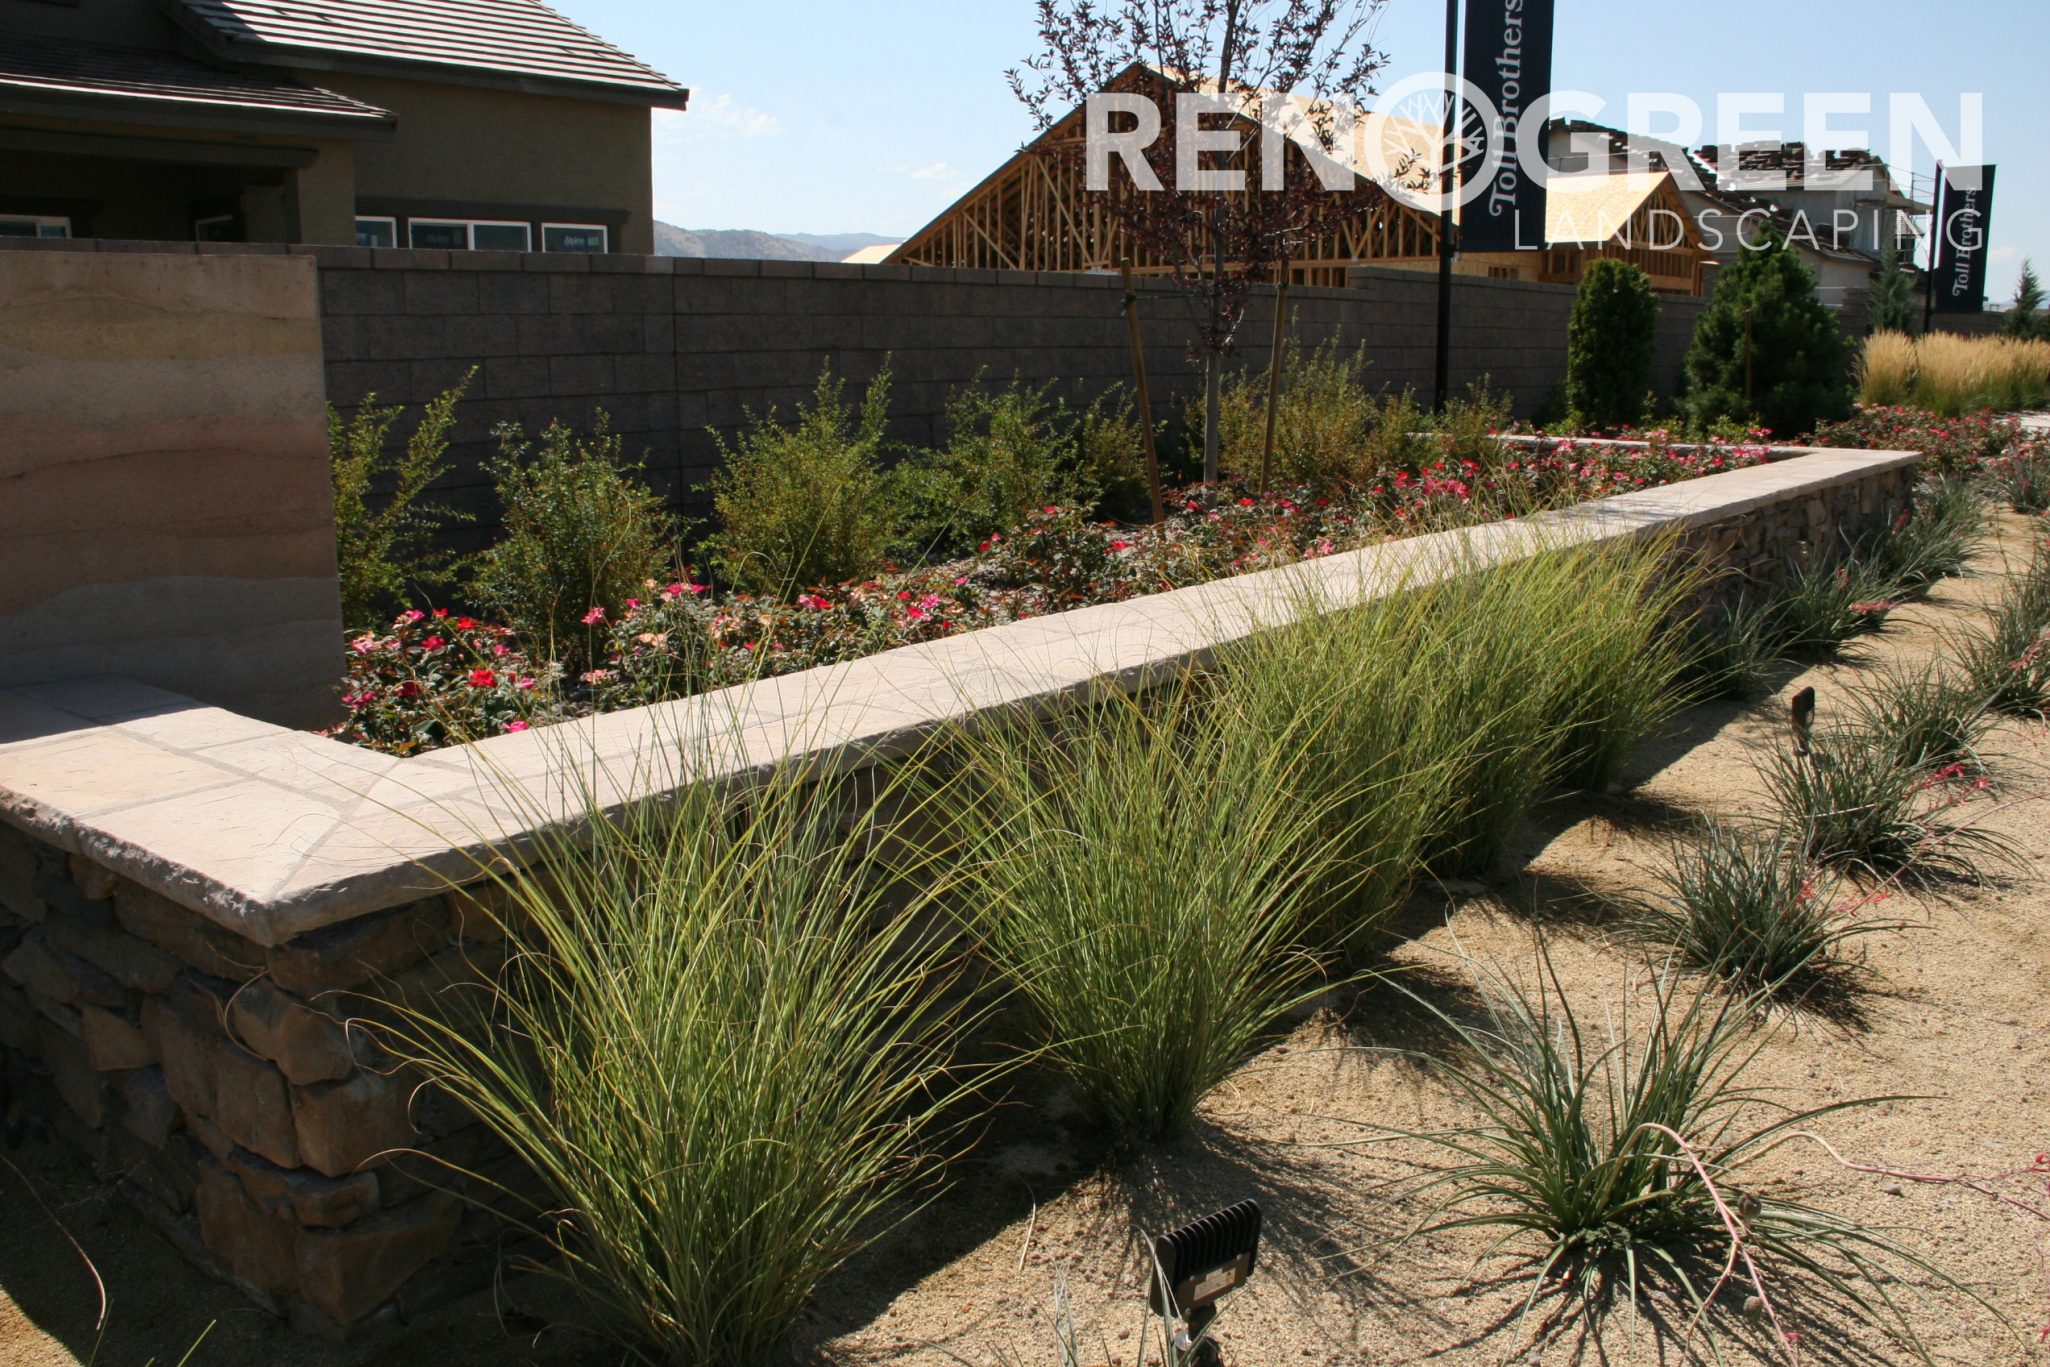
(176, 1004)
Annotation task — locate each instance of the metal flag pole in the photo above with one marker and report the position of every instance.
(1443, 387)
(1935, 254)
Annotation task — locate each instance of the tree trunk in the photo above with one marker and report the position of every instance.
(1213, 412)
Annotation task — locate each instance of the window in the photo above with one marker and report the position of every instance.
(33, 225)
(457, 234)
(216, 228)
(574, 237)
(377, 232)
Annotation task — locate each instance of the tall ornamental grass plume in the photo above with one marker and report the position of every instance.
(725, 1048)
(2007, 659)
(1617, 1157)
(1955, 375)
(1140, 872)
(1886, 370)
(1555, 668)
(1738, 905)
(1850, 803)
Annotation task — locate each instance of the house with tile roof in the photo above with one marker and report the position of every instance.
(461, 124)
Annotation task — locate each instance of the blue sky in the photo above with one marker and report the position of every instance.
(817, 116)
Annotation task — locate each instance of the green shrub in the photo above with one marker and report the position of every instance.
(1609, 346)
(725, 1047)
(1139, 873)
(811, 503)
(1322, 421)
(1010, 453)
(1766, 349)
(1469, 425)
(1110, 456)
(383, 545)
(1611, 1154)
(581, 533)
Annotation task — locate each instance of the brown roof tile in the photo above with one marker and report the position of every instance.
(154, 79)
(502, 37)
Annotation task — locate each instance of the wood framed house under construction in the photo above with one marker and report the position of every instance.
(1035, 212)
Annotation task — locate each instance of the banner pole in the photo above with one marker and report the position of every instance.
(1442, 390)
(1935, 254)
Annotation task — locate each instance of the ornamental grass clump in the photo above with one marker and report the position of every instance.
(1850, 803)
(1738, 905)
(1383, 745)
(1557, 666)
(725, 1047)
(1619, 1159)
(2021, 478)
(1140, 874)
(1738, 643)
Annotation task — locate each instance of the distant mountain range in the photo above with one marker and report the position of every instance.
(747, 244)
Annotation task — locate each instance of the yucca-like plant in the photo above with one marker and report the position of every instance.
(1738, 643)
(2007, 661)
(1936, 539)
(1141, 873)
(724, 1049)
(2021, 478)
(1741, 907)
(1618, 1159)
(1826, 600)
(1933, 717)
(1851, 804)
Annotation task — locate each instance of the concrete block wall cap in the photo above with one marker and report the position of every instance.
(273, 833)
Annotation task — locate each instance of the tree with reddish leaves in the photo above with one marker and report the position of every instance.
(1300, 67)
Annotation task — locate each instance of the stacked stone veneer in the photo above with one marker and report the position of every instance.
(194, 1038)
(235, 1093)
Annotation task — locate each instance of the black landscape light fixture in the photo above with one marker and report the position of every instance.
(1198, 1265)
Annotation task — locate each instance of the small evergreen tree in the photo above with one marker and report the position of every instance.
(1890, 304)
(1609, 346)
(2027, 319)
(1766, 350)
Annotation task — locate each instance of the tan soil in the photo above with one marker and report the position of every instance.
(1954, 1013)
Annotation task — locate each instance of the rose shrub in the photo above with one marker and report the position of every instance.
(432, 680)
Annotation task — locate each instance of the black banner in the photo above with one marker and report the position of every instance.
(1963, 221)
(1508, 59)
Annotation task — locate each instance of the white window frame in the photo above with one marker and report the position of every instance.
(60, 222)
(604, 232)
(382, 218)
(205, 219)
(470, 227)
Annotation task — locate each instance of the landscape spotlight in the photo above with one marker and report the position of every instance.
(1197, 1265)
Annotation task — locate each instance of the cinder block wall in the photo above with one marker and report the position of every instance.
(677, 352)
(165, 506)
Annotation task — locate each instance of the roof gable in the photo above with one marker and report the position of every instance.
(496, 41)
